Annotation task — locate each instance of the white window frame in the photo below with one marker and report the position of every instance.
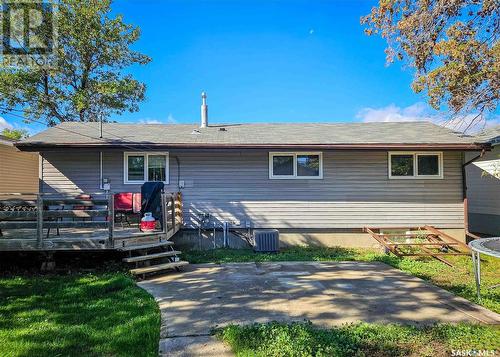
(126, 181)
(416, 176)
(294, 154)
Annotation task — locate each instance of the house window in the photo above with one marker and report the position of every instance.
(143, 167)
(295, 165)
(415, 165)
(402, 165)
(427, 165)
(157, 168)
(283, 165)
(135, 165)
(308, 165)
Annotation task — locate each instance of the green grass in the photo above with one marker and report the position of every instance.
(106, 314)
(102, 314)
(458, 279)
(303, 339)
(288, 254)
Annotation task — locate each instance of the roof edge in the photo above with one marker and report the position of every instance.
(141, 146)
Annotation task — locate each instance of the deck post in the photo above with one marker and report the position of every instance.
(39, 220)
(164, 213)
(173, 218)
(111, 219)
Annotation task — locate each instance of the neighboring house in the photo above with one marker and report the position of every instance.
(483, 186)
(18, 170)
(316, 183)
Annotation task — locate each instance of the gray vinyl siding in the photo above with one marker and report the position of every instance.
(234, 185)
(70, 171)
(483, 193)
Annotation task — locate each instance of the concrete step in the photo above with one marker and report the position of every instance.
(145, 246)
(159, 267)
(151, 256)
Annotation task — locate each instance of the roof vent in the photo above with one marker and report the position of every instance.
(204, 110)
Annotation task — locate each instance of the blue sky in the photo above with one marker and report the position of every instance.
(264, 61)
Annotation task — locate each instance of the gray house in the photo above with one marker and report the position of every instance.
(483, 186)
(316, 183)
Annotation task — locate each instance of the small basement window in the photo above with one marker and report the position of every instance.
(415, 165)
(295, 165)
(141, 167)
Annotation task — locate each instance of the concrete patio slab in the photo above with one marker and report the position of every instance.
(207, 296)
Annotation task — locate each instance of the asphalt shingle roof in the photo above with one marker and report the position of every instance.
(87, 134)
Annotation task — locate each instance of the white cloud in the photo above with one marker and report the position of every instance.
(392, 113)
(170, 120)
(422, 112)
(4, 124)
(149, 121)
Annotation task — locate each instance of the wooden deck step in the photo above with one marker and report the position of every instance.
(151, 256)
(159, 267)
(140, 235)
(145, 246)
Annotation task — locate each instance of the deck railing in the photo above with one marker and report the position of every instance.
(171, 212)
(47, 211)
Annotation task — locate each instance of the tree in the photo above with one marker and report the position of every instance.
(452, 45)
(15, 134)
(83, 79)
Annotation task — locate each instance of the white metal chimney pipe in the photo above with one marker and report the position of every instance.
(204, 110)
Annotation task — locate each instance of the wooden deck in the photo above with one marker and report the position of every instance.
(26, 228)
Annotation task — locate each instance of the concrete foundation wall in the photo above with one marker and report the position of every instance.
(191, 239)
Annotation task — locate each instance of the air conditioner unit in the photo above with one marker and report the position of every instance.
(266, 240)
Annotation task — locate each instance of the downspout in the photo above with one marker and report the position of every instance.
(464, 194)
(100, 171)
(178, 171)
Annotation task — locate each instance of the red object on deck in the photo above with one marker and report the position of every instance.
(128, 201)
(148, 222)
(148, 226)
(123, 201)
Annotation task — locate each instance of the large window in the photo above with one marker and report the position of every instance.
(295, 165)
(411, 165)
(141, 167)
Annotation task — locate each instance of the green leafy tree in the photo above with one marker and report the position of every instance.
(452, 45)
(15, 134)
(84, 79)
